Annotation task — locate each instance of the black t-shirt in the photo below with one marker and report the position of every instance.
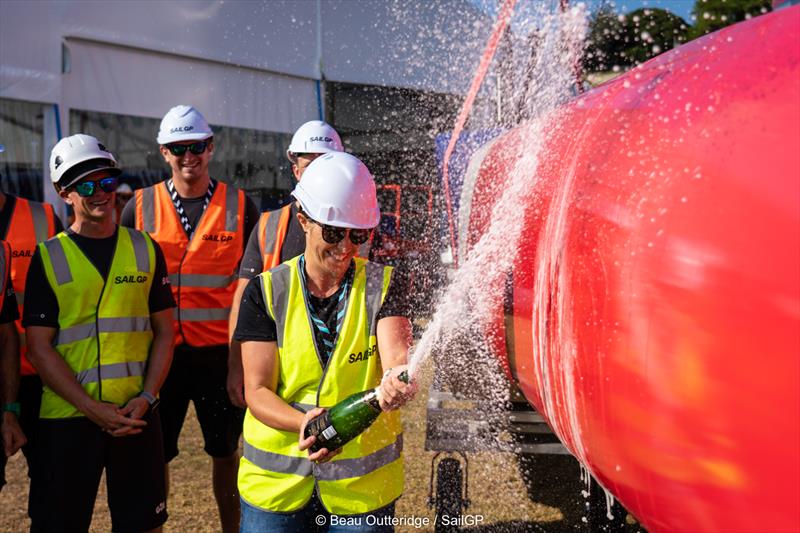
(8, 210)
(255, 324)
(41, 306)
(294, 244)
(9, 312)
(193, 208)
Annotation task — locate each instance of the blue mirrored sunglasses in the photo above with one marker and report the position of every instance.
(88, 188)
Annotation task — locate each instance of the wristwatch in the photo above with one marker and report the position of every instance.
(152, 400)
(12, 407)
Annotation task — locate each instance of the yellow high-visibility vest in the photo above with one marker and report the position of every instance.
(274, 474)
(104, 332)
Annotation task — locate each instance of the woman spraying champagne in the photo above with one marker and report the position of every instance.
(316, 330)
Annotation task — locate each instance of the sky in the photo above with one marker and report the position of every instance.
(682, 8)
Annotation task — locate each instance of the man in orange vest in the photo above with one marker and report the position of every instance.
(278, 235)
(24, 224)
(12, 435)
(201, 225)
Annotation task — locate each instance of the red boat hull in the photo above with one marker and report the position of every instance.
(656, 293)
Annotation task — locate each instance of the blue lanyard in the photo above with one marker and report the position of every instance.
(329, 340)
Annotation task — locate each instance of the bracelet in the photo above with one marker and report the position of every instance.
(12, 407)
(147, 396)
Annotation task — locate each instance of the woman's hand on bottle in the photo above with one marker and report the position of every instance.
(394, 393)
(320, 456)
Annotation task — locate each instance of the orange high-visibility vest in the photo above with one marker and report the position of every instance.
(5, 267)
(272, 228)
(202, 271)
(31, 223)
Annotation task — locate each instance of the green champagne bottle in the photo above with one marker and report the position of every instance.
(346, 420)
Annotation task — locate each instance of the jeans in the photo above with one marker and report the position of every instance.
(314, 518)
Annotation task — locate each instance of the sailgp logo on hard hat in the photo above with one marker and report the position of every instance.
(181, 128)
(320, 139)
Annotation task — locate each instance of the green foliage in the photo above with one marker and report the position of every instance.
(604, 43)
(631, 39)
(623, 41)
(712, 15)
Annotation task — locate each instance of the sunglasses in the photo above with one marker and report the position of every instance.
(179, 149)
(88, 188)
(334, 235)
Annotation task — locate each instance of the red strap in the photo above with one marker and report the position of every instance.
(488, 53)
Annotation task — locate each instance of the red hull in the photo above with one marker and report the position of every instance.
(656, 296)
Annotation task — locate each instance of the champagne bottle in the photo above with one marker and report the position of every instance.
(347, 419)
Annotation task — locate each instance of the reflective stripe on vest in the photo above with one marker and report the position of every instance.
(104, 332)
(330, 471)
(31, 223)
(203, 271)
(107, 325)
(208, 281)
(201, 315)
(114, 370)
(272, 228)
(274, 474)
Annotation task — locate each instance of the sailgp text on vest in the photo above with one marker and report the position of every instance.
(363, 356)
(130, 279)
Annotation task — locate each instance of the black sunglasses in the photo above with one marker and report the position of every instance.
(334, 235)
(179, 149)
(88, 188)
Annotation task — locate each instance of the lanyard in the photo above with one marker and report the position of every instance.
(176, 201)
(329, 339)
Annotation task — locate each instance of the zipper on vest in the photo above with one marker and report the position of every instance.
(189, 239)
(327, 364)
(97, 319)
(180, 287)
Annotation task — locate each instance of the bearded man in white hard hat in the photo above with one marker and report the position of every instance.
(278, 236)
(201, 224)
(98, 318)
(314, 330)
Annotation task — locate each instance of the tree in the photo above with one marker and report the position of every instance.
(628, 40)
(649, 32)
(712, 15)
(605, 41)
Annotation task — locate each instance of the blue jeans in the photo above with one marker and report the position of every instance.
(314, 518)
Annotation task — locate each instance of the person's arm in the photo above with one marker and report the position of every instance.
(260, 362)
(394, 340)
(13, 438)
(235, 381)
(157, 364)
(249, 268)
(57, 375)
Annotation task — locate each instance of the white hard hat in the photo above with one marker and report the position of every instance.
(183, 123)
(338, 189)
(77, 156)
(315, 137)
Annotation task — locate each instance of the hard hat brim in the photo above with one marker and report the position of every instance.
(89, 167)
(169, 139)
